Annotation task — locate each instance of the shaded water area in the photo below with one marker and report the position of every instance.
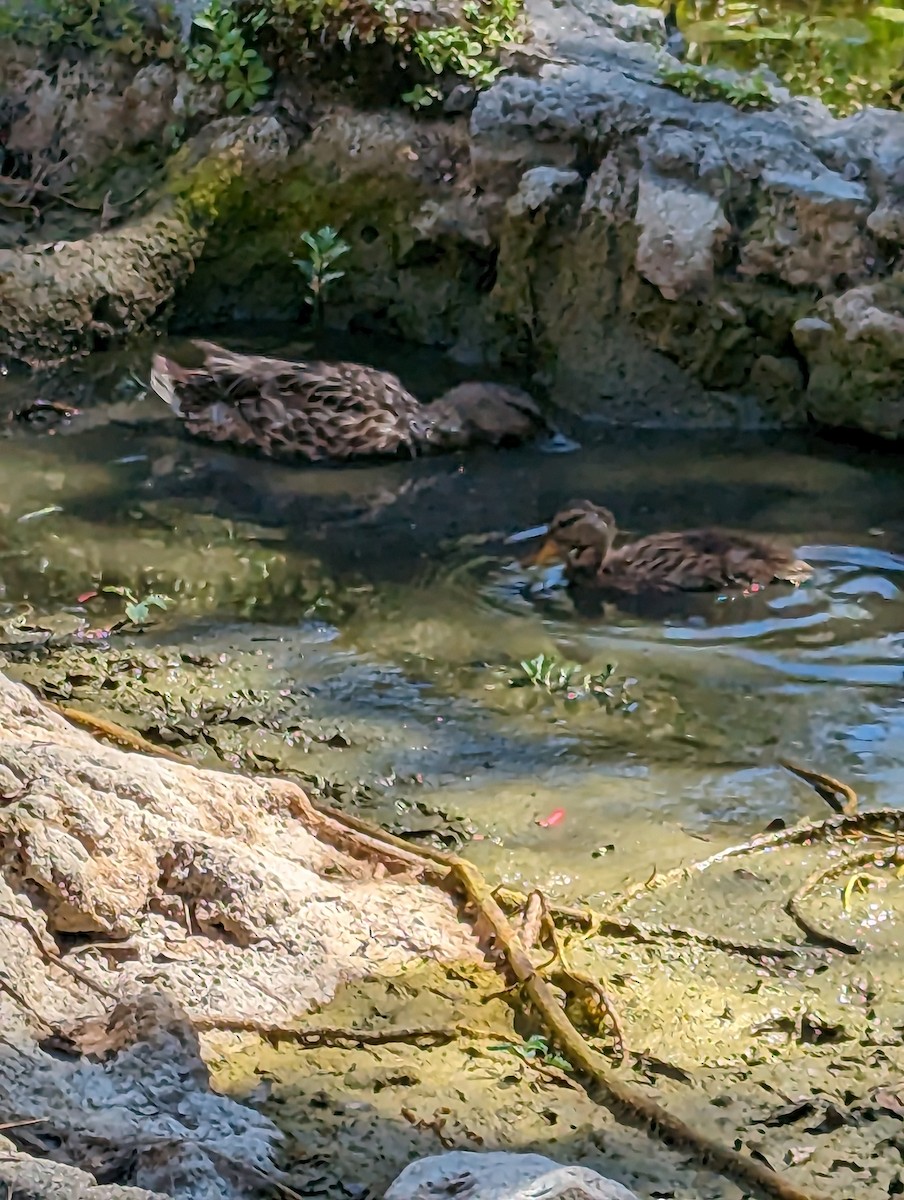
(365, 629)
(849, 53)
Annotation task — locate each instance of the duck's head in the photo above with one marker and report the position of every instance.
(482, 413)
(580, 533)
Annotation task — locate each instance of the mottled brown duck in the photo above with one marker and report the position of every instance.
(319, 411)
(583, 535)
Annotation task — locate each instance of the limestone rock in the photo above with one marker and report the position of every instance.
(463, 1175)
(224, 896)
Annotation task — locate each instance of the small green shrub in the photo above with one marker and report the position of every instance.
(324, 247)
(226, 56)
(535, 1050)
(228, 45)
(468, 49)
(421, 97)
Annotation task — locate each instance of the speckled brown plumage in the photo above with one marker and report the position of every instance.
(697, 560)
(319, 411)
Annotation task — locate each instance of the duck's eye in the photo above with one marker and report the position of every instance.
(568, 521)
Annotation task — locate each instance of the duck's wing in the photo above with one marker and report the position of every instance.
(700, 560)
(316, 410)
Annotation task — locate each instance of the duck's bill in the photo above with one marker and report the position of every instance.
(527, 535)
(548, 553)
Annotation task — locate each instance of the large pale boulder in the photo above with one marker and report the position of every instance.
(463, 1175)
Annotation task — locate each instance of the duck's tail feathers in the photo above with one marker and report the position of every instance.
(219, 361)
(165, 374)
(798, 572)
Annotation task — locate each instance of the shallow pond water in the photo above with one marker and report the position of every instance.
(364, 628)
(384, 604)
(847, 52)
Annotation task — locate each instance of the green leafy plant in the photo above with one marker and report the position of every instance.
(750, 92)
(535, 1050)
(571, 681)
(469, 49)
(226, 55)
(137, 611)
(120, 26)
(324, 248)
(421, 96)
(846, 52)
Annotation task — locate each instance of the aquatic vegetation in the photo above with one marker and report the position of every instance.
(324, 247)
(137, 610)
(749, 92)
(535, 1049)
(570, 680)
(846, 53)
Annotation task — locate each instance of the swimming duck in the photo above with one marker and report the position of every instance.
(697, 560)
(318, 411)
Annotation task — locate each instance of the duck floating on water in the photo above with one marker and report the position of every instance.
(697, 560)
(319, 411)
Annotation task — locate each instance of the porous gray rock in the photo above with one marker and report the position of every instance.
(463, 1175)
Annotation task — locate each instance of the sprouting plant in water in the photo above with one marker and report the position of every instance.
(324, 247)
(535, 1050)
(698, 84)
(137, 610)
(570, 680)
(226, 55)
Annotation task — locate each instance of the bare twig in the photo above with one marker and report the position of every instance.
(838, 795)
(593, 923)
(794, 905)
(802, 832)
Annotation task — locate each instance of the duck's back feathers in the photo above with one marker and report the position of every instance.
(310, 410)
(696, 560)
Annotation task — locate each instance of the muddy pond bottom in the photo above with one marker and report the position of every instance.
(370, 629)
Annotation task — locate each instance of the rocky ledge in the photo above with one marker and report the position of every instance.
(644, 255)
